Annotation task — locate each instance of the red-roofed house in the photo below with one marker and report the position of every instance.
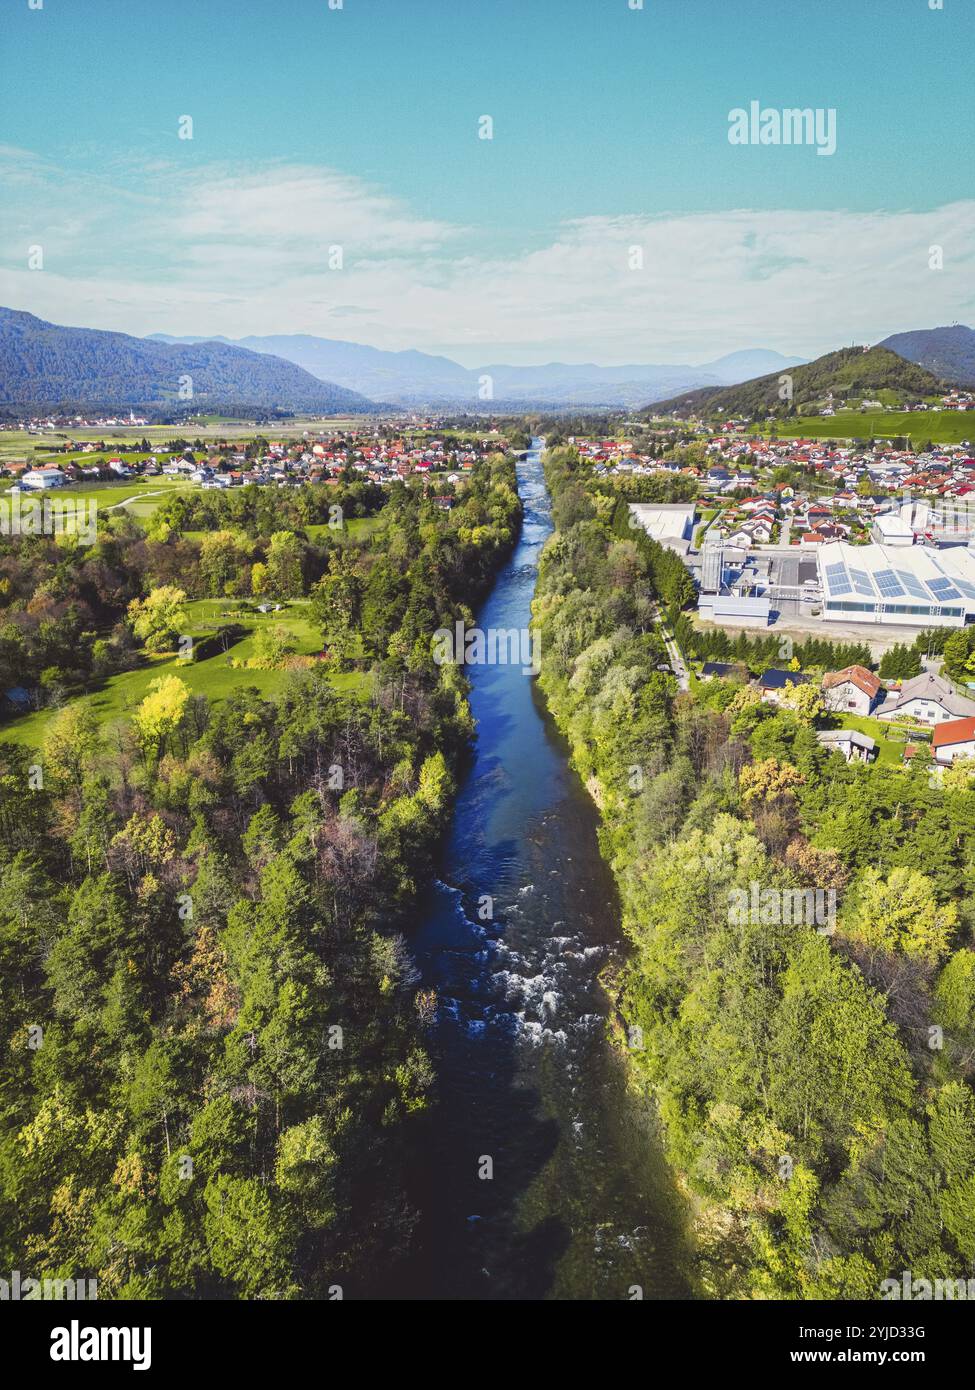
(854, 688)
(954, 739)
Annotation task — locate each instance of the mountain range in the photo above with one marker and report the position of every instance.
(418, 379)
(45, 365)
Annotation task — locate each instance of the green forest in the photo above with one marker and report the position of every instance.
(813, 1081)
(47, 365)
(213, 1036)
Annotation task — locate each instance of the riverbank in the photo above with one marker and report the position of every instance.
(806, 1117)
(538, 1173)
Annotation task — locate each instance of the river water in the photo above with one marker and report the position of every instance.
(579, 1203)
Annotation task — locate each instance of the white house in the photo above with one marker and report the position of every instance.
(927, 698)
(854, 746)
(853, 689)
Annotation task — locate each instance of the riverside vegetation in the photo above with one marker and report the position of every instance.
(814, 1090)
(211, 1033)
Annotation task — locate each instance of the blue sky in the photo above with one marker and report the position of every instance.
(610, 130)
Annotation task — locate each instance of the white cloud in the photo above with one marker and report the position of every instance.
(217, 251)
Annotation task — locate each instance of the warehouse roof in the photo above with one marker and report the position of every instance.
(898, 574)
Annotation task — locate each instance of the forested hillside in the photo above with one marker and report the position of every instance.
(949, 352)
(851, 372)
(45, 365)
(814, 1085)
(212, 1036)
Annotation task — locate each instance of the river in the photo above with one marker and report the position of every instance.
(541, 1174)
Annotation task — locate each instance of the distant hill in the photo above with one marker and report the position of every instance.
(417, 379)
(408, 377)
(948, 352)
(850, 372)
(45, 365)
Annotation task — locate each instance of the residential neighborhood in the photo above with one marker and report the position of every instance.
(320, 456)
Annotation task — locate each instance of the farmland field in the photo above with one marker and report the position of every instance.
(20, 444)
(940, 426)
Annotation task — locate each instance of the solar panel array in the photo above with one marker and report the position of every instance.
(861, 582)
(912, 584)
(889, 584)
(837, 580)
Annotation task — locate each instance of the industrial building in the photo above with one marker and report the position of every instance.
(903, 585)
(890, 528)
(712, 569)
(742, 610)
(669, 523)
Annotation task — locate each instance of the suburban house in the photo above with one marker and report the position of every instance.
(928, 698)
(953, 739)
(854, 746)
(772, 683)
(854, 688)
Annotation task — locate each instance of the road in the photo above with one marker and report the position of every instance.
(673, 651)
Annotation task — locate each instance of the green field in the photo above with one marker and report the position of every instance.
(213, 676)
(19, 444)
(136, 499)
(940, 426)
(355, 529)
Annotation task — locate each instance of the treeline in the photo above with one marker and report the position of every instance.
(811, 1064)
(259, 510)
(759, 652)
(899, 662)
(212, 1034)
(648, 487)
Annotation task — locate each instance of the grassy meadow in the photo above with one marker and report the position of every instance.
(212, 675)
(940, 426)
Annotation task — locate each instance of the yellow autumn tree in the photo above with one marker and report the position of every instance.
(804, 701)
(159, 715)
(900, 913)
(159, 619)
(767, 780)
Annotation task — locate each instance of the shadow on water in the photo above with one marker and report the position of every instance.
(537, 1173)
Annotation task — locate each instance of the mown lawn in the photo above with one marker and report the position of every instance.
(212, 676)
(140, 498)
(890, 738)
(354, 529)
